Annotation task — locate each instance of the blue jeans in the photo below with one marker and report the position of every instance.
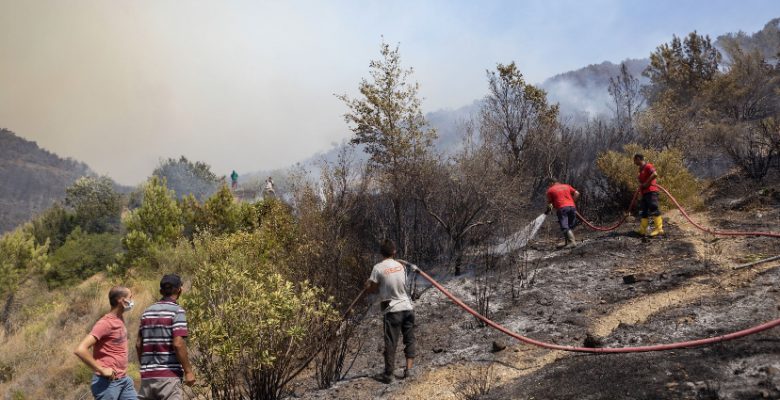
(106, 389)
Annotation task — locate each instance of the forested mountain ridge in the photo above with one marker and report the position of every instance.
(31, 179)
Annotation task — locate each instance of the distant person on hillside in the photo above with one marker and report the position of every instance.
(561, 197)
(389, 278)
(269, 187)
(108, 359)
(234, 179)
(161, 348)
(648, 205)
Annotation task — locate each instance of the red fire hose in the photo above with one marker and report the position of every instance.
(614, 226)
(712, 231)
(683, 212)
(551, 346)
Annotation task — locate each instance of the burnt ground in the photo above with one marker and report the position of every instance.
(682, 287)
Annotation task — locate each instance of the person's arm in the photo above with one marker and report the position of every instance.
(576, 195)
(180, 348)
(549, 207)
(139, 346)
(83, 353)
(371, 286)
(646, 183)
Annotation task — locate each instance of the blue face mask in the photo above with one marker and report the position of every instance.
(129, 305)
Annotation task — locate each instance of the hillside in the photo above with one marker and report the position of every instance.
(31, 179)
(685, 288)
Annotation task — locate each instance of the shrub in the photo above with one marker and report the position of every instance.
(251, 325)
(620, 170)
(54, 225)
(82, 256)
(19, 257)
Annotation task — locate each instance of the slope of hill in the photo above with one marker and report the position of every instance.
(684, 287)
(31, 179)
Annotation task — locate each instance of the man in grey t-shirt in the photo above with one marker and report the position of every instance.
(389, 277)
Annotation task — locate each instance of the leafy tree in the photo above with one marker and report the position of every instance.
(679, 70)
(157, 222)
(96, 204)
(388, 121)
(186, 177)
(515, 114)
(743, 106)
(220, 214)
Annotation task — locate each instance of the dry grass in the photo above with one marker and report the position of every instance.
(49, 325)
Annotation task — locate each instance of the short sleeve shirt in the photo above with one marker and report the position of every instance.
(110, 350)
(160, 323)
(644, 173)
(390, 275)
(561, 195)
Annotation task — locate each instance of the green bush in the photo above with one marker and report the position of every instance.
(250, 324)
(82, 256)
(620, 170)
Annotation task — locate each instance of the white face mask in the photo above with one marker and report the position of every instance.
(129, 305)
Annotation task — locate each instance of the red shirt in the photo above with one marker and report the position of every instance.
(644, 173)
(110, 351)
(560, 195)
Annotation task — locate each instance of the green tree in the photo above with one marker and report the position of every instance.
(743, 107)
(678, 72)
(96, 204)
(220, 214)
(514, 116)
(157, 222)
(388, 121)
(680, 69)
(20, 256)
(53, 225)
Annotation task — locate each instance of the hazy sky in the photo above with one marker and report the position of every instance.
(249, 85)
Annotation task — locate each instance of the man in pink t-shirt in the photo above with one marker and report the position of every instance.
(108, 339)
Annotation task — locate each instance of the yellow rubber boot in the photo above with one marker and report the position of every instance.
(659, 226)
(643, 226)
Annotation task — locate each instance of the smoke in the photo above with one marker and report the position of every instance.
(590, 100)
(184, 180)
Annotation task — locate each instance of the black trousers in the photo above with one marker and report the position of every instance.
(648, 206)
(397, 324)
(567, 218)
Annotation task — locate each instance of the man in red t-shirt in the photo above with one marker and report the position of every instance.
(561, 197)
(649, 202)
(108, 358)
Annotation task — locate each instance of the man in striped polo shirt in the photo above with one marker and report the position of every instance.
(161, 345)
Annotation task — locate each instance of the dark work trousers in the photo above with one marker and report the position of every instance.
(648, 206)
(567, 218)
(397, 323)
